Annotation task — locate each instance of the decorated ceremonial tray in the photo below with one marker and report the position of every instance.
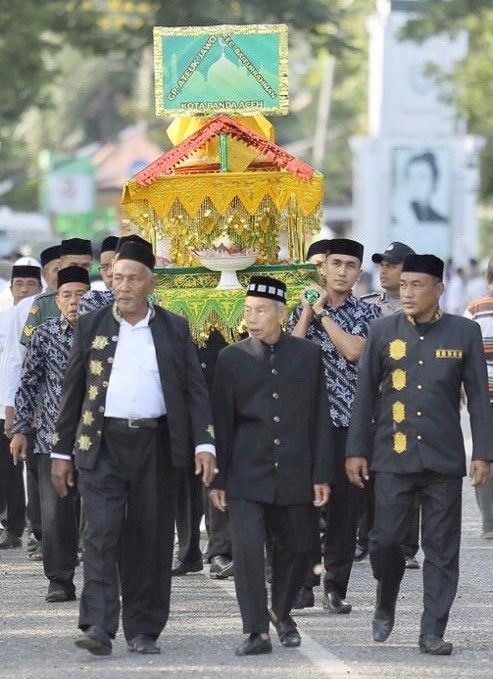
(192, 293)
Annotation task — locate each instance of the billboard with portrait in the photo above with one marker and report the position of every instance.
(420, 200)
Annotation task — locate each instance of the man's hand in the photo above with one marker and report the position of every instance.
(479, 472)
(357, 471)
(304, 302)
(321, 301)
(18, 447)
(9, 421)
(205, 464)
(321, 494)
(62, 476)
(218, 499)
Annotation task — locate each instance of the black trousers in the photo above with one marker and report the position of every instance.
(12, 499)
(129, 500)
(291, 528)
(59, 527)
(440, 499)
(342, 520)
(32, 486)
(188, 514)
(218, 530)
(410, 542)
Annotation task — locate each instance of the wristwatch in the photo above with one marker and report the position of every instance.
(322, 314)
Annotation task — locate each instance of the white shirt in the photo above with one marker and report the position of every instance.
(134, 386)
(14, 350)
(5, 321)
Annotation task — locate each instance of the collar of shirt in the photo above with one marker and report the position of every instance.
(145, 321)
(436, 317)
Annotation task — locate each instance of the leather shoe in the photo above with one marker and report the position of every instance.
(382, 625)
(360, 552)
(333, 603)
(182, 568)
(143, 643)
(221, 567)
(10, 542)
(434, 645)
(286, 631)
(95, 640)
(412, 563)
(254, 645)
(58, 595)
(304, 599)
(384, 615)
(36, 554)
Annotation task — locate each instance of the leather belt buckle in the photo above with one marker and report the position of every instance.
(131, 423)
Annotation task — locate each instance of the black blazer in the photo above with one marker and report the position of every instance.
(80, 421)
(272, 421)
(416, 377)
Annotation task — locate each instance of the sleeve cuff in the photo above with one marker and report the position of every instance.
(205, 448)
(59, 456)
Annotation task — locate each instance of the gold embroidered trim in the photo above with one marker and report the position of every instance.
(399, 379)
(398, 412)
(84, 442)
(449, 353)
(397, 349)
(400, 443)
(100, 342)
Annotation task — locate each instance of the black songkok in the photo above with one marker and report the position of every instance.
(72, 274)
(132, 238)
(49, 254)
(319, 247)
(76, 246)
(109, 244)
(25, 271)
(138, 253)
(265, 286)
(345, 246)
(430, 264)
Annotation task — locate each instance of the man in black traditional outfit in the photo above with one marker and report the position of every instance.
(415, 363)
(133, 407)
(274, 458)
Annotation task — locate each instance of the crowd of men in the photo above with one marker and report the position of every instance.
(326, 434)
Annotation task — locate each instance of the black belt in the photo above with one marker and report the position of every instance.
(137, 423)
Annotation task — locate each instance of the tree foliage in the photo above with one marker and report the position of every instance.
(31, 32)
(70, 69)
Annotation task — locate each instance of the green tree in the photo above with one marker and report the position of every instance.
(30, 31)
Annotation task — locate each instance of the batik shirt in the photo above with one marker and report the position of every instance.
(95, 299)
(42, 376)
(354, 316)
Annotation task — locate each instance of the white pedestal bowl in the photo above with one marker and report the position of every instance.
(228, 265)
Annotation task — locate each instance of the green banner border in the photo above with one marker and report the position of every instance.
(251, 29)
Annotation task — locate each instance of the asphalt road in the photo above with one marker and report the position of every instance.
(204, 627)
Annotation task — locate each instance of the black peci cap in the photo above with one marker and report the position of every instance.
(133, 238)
(76, 246)
(49, 254)
(345, 246)
(138, 253)
(25, 271)
(265, 286)
(72, 274)
(319, 247)
(109, 244)
(430, 264)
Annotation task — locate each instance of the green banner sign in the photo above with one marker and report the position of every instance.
(221, 69)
